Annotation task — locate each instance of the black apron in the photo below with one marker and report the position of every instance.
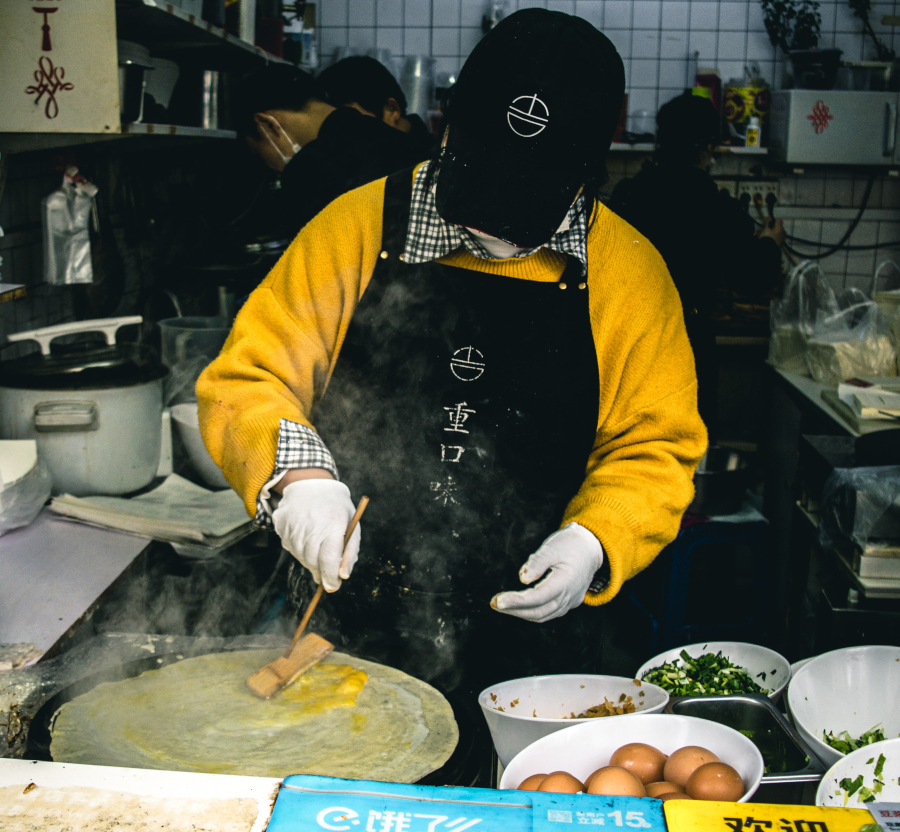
(464, 404)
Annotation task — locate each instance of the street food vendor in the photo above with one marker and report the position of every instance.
(494, 358)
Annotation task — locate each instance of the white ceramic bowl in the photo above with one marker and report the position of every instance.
(582, 749)
(830, 792)
(851, 690)
(754, 659)
(185, 416)
(544, 702)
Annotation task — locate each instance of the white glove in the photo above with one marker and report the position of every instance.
(572, 555)
(311, 520)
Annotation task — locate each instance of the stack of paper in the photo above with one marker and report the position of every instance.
(875, 404)
(871, 401)
(878, 560)
(17, 459)
(177, 511)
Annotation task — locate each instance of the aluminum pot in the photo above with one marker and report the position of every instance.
(95, 409)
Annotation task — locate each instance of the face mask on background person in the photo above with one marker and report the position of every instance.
(284, 140)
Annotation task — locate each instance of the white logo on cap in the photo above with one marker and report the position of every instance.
(528, 116)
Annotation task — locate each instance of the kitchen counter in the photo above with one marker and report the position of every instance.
(794, 408)
(812, 391)
(55, 573)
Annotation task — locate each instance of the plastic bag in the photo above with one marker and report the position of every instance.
(66, 215)
(856, 341)
(22, 500)
(860, 505)
(807, 298)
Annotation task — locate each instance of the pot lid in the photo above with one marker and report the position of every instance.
(95, 360)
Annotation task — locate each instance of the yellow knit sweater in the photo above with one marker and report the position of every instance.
(285, 342)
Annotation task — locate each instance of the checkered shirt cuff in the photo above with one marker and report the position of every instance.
(298, 447)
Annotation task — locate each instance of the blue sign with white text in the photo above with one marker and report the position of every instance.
(308, 802)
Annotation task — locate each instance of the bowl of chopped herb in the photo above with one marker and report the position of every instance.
(713, 668)
(847, 700)
(866, 775)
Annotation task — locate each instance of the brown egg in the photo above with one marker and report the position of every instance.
(561, 782)
(673, 796)
(644, 761)
(616, 780)
(684, 762)
(530, 784)
(716, 781)
(660, 787)
(589, 779)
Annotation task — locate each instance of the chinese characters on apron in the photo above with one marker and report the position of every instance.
(465, 405)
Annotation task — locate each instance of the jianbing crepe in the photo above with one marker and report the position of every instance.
(345, 717)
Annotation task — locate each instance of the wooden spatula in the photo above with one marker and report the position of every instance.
(303, 652)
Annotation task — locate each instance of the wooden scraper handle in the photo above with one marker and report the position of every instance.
(318, 596)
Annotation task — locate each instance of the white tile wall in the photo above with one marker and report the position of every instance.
(727, 33)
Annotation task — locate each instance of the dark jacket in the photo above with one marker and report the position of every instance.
(704, 235)
(350, 150)
(707, 241)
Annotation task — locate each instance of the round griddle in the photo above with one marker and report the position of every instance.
(468, 765)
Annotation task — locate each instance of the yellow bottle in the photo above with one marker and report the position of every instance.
(753, 134)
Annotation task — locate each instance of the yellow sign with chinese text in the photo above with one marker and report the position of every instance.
(709, 816)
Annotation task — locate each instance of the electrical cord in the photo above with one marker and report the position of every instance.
(841, 244)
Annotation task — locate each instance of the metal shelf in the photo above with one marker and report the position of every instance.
(25, 142)
(172, 33)
(11, 291)
(139, 129)
(648, 147)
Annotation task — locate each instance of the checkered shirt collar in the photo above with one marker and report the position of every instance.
(429, 237)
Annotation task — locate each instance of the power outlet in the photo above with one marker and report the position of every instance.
(727, 185)
(763, 187)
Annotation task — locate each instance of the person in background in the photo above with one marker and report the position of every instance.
(321, 151)
(706, 237)
(475, 345)
(368, 86)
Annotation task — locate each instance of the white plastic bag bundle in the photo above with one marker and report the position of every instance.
(807, 298)
(853, 342)
(66, 216)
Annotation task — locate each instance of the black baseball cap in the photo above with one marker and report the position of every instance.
(530, 121)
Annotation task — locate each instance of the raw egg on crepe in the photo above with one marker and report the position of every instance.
(715, 781)
(561, 782)
(615, 780)
(684, 762)
(530, 784)
(644, 761)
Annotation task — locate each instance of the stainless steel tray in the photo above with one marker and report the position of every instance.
(782, 747)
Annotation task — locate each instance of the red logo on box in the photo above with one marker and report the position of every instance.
(820, 116)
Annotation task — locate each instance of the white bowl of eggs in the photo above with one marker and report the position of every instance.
(521, 711)
(648, 755)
